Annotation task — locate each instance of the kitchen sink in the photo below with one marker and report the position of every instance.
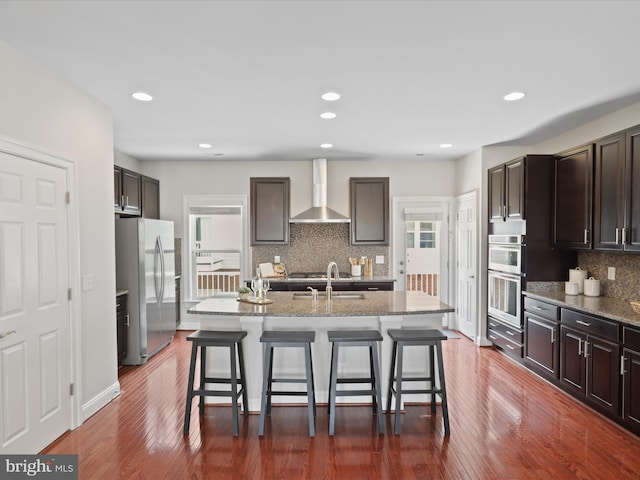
(334, 295)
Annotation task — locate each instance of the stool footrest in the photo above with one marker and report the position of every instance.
(217, 393)
(351, 393)
(414, 379)
(297, 393)
(220, 380)
(288, 380)
(354, 380)
(434, 392)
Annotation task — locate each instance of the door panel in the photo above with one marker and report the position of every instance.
(467, 318)
(34, 308)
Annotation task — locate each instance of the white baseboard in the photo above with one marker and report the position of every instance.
(100, 400)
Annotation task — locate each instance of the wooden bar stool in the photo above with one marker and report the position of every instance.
(405, 338)
(355, 338)
(210, 338)
(287, 339)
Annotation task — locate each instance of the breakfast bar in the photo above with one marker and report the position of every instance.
(375, 310)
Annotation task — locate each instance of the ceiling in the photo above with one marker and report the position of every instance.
(246, 77)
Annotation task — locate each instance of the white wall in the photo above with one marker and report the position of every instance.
(45, 112)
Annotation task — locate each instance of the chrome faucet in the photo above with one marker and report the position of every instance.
(337, 276)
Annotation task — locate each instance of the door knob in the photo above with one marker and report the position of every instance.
(401, 272)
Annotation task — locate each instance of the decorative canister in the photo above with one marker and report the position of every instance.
(578, 276)
(592, 287)
(571, 288)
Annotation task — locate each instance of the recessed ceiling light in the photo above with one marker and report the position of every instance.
(445, 145)
(514, 96)
(328, 115)
(204, 145)
(326, 145)
(330, 96)
(142, 96)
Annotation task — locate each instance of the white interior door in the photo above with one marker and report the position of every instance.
(467, 284)
(34, 307)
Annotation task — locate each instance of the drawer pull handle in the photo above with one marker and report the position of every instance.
(509, 332)
(586, 324)
(586, 346)
(536, 308)
(492, 337)
(579, 346)
(510, 347)
(7, 333)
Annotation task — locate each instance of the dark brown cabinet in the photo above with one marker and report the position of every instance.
(542, 353)
(590, 360)
(122, 326)
(150, 197)
(573, 199)
(506, 191)
(369, 202)
(269, 210)
(130, 190)
(631, 378)
(632, 189)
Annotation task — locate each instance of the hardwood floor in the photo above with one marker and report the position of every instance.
(506, 423)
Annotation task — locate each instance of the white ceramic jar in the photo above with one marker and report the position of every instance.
(592, 287)
(576, 275)
(571, 288)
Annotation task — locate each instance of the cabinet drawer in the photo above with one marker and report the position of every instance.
(591, 325)
(516, 335)
(542, 309)
(513, 349)
(631, 338)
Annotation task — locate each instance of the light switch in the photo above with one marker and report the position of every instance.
(611, 274)
(379, 259)
(87, 282)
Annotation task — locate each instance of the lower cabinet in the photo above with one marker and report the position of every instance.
(122, 326)
(631, 379)
(541, 346)
(506, 337)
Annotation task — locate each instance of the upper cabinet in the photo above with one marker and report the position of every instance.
(127, 192)
(573, 198)
(134, 194)
(506, 191)
(150, 197)
(369, 202)
(617, 192)
(269, 210)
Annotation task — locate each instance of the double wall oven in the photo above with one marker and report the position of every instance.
(505, 276)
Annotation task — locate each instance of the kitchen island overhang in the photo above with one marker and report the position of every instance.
(379, 310)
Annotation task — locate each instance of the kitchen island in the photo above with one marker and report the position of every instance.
(379, 310)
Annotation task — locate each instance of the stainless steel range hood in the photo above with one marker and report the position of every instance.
(319, 213)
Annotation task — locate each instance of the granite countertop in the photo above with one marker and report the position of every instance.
(120, 291)
(378, 303)
(378, 278)
(607, 307)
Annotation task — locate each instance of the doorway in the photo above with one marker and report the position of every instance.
(421, 247)
(467, 265)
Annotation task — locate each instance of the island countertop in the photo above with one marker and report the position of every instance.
(344, 304)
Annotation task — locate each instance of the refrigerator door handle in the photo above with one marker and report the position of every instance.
(162, 269)
(156, 259)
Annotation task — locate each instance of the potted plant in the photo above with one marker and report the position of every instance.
(243, 292)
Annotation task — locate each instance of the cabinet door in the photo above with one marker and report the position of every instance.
(369, 210)
(122, 326)
(632, 212)
(631, 388)
(608, 219)
(514, 190)
(117, 189)
(150, 197)
(496, 194)
(132, 192)
(603, 373)
(269, 211)
(572, 363)
(541, 346)
(573, 198)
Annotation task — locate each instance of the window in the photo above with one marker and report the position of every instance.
(427, 235)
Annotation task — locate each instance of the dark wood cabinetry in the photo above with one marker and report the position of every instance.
(573, 198)
(631, 378)
(508, 338)
(632, 189)
(542, 353)
(590, 359)
(269, 210)
(122, 326)
(608, 214)
(150, 197)
(507, 191)
(369, 201)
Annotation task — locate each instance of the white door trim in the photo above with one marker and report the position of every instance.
(470, 196)
(19, 149)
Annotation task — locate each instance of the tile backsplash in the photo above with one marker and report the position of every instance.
(312, 246)
(627, 282)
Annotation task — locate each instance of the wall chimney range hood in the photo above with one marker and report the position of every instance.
(319, 212)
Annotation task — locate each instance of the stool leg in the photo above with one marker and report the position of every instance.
(313, 383)
(332, 388)
(243, 380)
(266, 382)
(192, 372)
(374, 400)
(310, 390)
(270, 382)
(376, 385)
(203, 368)
(443, 389)
(432, 378)
(234, 388)
(391, 375)
(396, 429)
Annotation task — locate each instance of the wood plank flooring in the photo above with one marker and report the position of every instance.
(506, 423)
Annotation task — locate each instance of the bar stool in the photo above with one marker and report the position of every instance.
(357, 338)
(210, 338)
(299, 339)
(432, 339)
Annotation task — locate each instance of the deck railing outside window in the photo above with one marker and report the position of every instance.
(216, 271)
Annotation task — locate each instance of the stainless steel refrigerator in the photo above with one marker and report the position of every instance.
(145, 266)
